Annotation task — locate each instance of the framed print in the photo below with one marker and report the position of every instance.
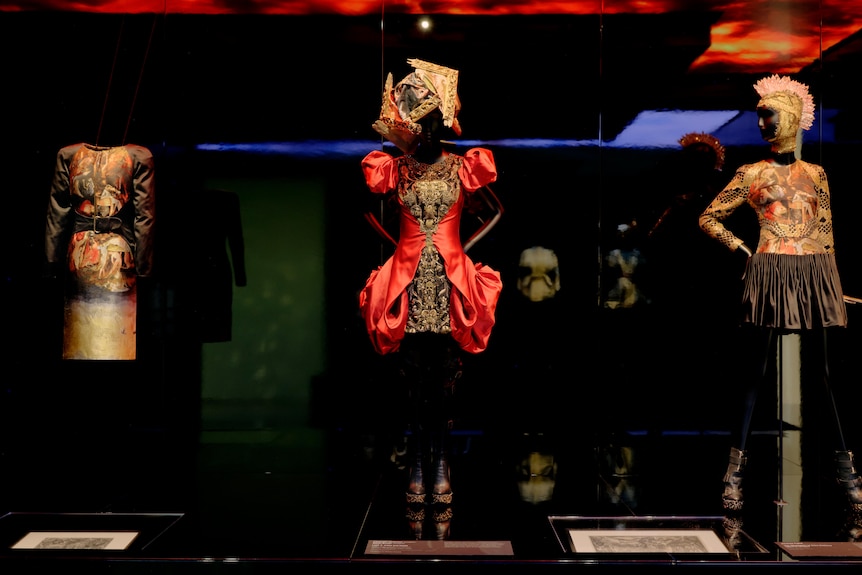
(87, 540)
(645, 541)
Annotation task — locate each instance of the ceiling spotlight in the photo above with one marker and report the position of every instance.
(424, 24)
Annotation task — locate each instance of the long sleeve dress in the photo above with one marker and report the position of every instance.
(99, 226)
(791, 281)
(430, 285)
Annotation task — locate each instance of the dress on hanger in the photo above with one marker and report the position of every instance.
(100, 227)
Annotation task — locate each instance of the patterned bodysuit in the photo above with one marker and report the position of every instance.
(792, 279)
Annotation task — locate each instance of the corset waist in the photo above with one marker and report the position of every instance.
(98, 224)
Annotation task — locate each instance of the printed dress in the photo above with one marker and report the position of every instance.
(791, 281)
(99, 226)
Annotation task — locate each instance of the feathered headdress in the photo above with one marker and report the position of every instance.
(771, 85)
(709, 140)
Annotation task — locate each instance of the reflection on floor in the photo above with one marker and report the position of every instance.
(323, 494)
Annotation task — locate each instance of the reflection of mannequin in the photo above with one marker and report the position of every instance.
(99, 225)
(624, 262)
(791, 283)
(681, 279)
(429, 302)
(696, 175)
(218, 231)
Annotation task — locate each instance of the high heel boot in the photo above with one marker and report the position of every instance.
(732, 498)
(415, 498)
(442, 491)
(415, 494)
(441, 498)
(851, 482)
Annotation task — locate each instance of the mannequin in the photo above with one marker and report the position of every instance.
(99, 238)
(429, 302)
(791, 282)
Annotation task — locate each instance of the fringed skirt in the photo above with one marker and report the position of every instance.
(793, 292)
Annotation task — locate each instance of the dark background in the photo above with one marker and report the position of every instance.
(568, 368)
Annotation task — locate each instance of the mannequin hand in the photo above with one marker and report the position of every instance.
(381, 128)
(745, 252)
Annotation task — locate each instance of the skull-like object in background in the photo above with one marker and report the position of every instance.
(539, 273)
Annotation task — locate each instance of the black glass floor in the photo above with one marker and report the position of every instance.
(326, 495)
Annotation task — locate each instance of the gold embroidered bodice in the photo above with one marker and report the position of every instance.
(429, 191)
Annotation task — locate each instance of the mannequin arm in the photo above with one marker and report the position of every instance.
(378, 227)
(492, 203)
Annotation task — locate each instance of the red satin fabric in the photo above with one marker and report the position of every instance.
(475, 287)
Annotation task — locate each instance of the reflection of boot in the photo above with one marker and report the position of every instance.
(849, 479)
(442, 521)
(732, 499)
(732, 527)
(415, 515)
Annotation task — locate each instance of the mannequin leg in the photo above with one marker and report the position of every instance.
(732, 498)
(842, 446)
(431, 369)
(415, 493)
(416, 485)
(847, 476)
(441, 492)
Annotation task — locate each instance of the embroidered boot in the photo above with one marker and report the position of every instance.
(415, 497)
(851, 482)
(441, 498)
(732, 498)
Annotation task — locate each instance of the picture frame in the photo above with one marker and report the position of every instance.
(77, 540)
(637, 541)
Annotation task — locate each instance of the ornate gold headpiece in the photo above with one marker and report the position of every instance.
(428, 87)
(771, 85)
(709, 140)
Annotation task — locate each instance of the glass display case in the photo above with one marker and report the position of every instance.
(258, 425)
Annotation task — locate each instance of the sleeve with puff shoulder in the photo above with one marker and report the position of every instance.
(381, 171)
(479, 169)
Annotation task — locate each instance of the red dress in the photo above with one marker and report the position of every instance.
(430, 285)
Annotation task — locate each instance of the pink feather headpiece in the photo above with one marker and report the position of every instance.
(770, 85)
